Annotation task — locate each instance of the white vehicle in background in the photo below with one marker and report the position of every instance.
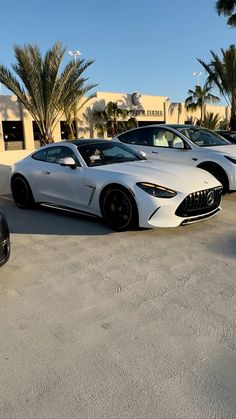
(187, 145)
(110, 180)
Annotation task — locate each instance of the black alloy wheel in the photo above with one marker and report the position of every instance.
(119, 209)
(221, 177)
(215, 170)
(21, 192)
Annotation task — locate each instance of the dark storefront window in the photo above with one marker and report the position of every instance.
(13, 135)
(65, 131)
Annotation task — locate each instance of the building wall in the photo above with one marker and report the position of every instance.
(151, 109)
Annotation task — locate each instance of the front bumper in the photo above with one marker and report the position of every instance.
(180, 210)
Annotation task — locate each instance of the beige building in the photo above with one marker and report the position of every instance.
(19, 134)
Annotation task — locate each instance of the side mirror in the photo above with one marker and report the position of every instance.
(68, 161)
(179, 145)
(142, 154)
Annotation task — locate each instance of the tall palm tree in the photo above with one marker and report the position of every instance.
(222, 74)
(227, 8)
(198, 98)
(42, 88)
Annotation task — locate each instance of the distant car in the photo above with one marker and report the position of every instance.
(4, 239)
(110, 180)
(187, 145)
(228, 135)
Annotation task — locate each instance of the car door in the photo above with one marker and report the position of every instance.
(57, 184)
(159, 144)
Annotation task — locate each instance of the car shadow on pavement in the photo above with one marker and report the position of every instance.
(43, 220)
(226, 246)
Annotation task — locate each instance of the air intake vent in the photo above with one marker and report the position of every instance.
(200, 202)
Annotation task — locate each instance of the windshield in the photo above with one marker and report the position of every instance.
(202, 136)
(107, 152)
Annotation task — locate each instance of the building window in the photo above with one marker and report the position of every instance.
(66, 133)
(13, 135)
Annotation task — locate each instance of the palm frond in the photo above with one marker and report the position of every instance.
(42, 87)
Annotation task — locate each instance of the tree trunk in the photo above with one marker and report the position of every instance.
(232, 123)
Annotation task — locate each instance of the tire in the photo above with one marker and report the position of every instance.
(219, 174)
(21, 192)
(119, 209)
(5, 240)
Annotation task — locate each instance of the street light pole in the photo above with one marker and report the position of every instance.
(197, 74)
(75, 54)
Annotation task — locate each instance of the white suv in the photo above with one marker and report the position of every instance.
(189, 145)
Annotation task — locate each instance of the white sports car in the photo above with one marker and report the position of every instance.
(188, 145)
(110, 180)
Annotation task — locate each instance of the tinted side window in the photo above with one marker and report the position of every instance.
(54, 155)
(138, 136)
(40, 155)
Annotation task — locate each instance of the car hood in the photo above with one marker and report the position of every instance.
(229, 150)
(174, 176)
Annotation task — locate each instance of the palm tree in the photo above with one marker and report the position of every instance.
(198, 98)
(211, 121)
(222, 73)
(42, 88)
(112, 119)
(227, 8)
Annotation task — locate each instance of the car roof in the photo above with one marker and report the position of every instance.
(165, 125)
(83, 142)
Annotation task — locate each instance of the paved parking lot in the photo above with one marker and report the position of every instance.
(97, 324)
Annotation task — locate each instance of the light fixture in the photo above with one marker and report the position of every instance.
(75, 54)
(197, 74)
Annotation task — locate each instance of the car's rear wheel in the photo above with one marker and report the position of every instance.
(118, 208)
(21, 192)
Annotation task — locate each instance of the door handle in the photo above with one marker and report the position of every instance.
(155, 152)
(45, 172)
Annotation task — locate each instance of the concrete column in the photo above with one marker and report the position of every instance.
(57, 132)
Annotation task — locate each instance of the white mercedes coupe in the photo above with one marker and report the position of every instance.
(110, 180)
(189, 145)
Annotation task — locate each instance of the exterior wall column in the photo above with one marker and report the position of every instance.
(57, 132)
(2, 145)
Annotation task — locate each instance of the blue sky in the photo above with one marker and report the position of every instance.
(145, 45)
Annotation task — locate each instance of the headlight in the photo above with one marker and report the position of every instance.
(232, 159)
(156, 190)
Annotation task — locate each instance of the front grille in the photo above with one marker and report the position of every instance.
(201, 202)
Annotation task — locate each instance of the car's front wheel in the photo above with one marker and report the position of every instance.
(218, 173)
(21, 192)
(118, 208)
